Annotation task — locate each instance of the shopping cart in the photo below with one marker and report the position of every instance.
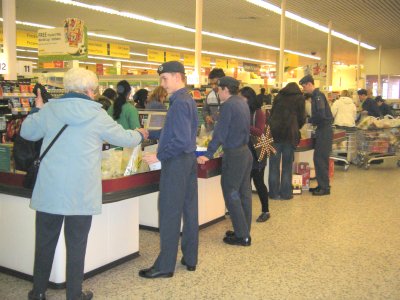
(377, 144)
(345, 151)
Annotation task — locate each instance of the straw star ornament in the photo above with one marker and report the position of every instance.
(264, 142)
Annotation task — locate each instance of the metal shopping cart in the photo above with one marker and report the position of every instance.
(377, 144)
(345, 151)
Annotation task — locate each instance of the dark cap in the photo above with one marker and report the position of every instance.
(379, 99)
(171, 67)
(362, 92)
(228, 81)
(306, 79)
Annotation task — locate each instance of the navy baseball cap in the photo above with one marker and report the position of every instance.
(306, 79)
(171, 67)
(228, 81)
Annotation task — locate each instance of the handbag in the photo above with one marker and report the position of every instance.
(25, 152)
(263, 144)
(33, 170)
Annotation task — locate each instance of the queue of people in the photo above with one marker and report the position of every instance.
(233, 114)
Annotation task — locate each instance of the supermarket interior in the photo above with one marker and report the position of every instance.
(341, 245)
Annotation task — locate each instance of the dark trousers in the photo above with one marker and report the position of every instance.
(178, 196)
(258, 178)
(280, 186)
(322, 151)
(236, 188)
(76, 230)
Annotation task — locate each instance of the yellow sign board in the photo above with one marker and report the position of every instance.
(97, 48)
(155, 55)
(220, 63)
(232, 63)
(172, 56)
(119, 50)
(27, 39)
(291, 60)
(188, 59)
(205, 61)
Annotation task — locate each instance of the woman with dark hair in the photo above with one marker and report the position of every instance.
(140, 98)
(110, 94)
(287, 117)
(257, 126)
(123, 112)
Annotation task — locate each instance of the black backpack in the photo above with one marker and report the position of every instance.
(25, 152)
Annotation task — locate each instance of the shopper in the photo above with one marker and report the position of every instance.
(384, 109)
(178, 182)
(122, 111)
(212, 102)
(68, 187)
(157, 98)
(287, 117)
(257, 127)
(369, 105)
(140, 98)
(110, 94)
(344, 111)
(105, 102)
(262, 98)
(232, 132)
(321, 118)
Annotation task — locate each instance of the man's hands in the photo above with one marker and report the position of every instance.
(39, 100)
(150, 158)
(202, 160)
(209, 120)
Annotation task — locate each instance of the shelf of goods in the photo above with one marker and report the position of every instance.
(128, 202)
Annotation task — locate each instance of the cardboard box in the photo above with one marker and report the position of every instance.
(303, 169)
(297, 183)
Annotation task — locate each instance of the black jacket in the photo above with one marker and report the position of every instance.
(288, 115)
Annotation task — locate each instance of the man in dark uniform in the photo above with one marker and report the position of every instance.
(369, 105)
(321, 116)
(178, 182)
(212, 103)
(232, 132)
(383, 107)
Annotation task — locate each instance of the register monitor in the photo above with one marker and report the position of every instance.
(155, 120)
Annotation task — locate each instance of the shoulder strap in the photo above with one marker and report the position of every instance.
(52, 142)
(254, 118)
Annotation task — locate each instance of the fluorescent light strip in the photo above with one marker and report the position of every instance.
(94, 63)
(137, 54)
(307, 22)
(27, 50)
(168, 24)
(238, 57)
(30, 24)
(27, 57)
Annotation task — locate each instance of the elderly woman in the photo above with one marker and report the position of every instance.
(68, 187)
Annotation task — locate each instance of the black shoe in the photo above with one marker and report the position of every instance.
(229, 233)
(322, 192)
(314, 189)
(233, 240)
(34, 296)
(263, 217)
(87, 295)
(189, 268)
(153, 273)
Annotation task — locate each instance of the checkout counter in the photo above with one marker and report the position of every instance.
(114, 236)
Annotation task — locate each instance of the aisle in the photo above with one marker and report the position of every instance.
(342, 246)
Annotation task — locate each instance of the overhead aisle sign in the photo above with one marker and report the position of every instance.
(155, 55)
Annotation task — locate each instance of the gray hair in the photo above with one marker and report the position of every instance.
(80, 80)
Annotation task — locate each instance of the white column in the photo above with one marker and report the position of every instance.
(282, 44)
(379, 71)
(10, 38)
(358, 62)
(329, 58)
(198, 41)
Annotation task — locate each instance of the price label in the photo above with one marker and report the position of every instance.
(24, 68)
(3, 64)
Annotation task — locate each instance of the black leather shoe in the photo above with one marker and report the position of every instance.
(229, 233)
(87, 295)
(33, 296)
(154, 273)
(189, 268)
(233, 240)
(314, 189)
(321, 192)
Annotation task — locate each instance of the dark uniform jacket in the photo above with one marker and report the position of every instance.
(321, 113)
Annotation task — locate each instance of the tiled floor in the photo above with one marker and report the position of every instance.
(342, 246)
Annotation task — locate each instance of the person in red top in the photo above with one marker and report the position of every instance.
(257, 126)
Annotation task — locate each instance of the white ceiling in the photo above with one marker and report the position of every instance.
(376, 21)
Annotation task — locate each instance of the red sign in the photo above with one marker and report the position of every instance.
(58, 64)
(99, 69)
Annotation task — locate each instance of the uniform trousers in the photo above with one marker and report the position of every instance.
(76, 230)
(236, 188)
(322, 151)
(178, 198)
